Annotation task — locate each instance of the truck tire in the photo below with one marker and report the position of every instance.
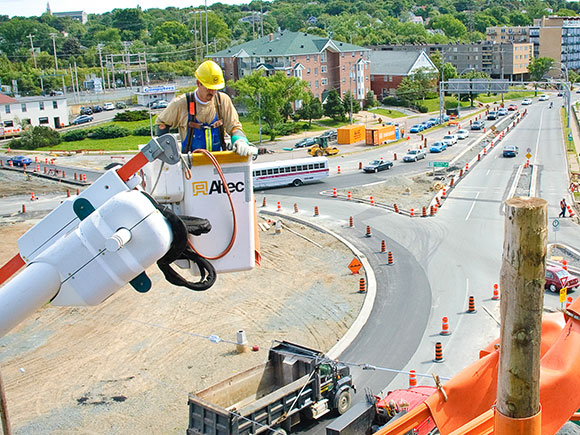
(318, 153)
(279, 431)
(343, 402)
(553, 288)
(297, 182)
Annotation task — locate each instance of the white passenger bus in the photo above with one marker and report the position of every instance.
(289, 172)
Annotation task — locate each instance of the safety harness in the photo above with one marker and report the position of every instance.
(198, 134)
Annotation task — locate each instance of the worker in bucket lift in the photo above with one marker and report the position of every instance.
(203, 116)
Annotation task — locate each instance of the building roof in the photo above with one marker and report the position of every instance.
(396, 63)
(5, 99)
(287, 43)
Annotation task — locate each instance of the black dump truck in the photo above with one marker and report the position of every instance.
(295, 382)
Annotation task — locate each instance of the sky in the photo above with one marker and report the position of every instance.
(30, 8)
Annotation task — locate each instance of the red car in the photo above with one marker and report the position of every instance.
(512, 107)
(556, 278)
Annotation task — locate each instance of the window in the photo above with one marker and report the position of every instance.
(316, 71)
(315, 58)
(361, 53)
(343, 67)
(307, 58)
(324, 82)
(308, 71)
(342, 55)
(269, 171)
(323, 69)
(390, 78)
(55, 104)
(323, 56)
(41, 105)
(9, 123)
(293, 168)
(276, 171)
(7, 108)
(23, 107)
(316, 84)
(43, 120)
(343, 80)
(353, 54)
(310, 166)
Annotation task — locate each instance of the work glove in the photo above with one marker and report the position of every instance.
(242, 147)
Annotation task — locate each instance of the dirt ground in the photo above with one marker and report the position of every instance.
(127, 365)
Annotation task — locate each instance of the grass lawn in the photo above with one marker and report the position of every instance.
(331, 123)
(432, 104)
(132, 142)
(388, 112)
(484, 98)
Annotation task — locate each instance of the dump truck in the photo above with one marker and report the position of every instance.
(295, 382)
(321, 148)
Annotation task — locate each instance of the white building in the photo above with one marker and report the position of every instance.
(39, 110)
(152, 93)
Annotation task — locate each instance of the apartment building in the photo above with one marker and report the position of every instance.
(325, 64)
(507, 60)
(500, 34)
(559, 39)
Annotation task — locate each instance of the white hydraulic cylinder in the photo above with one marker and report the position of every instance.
(26, 293)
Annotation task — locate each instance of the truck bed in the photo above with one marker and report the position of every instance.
(260, 394)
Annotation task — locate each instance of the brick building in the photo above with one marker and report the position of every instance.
(389, 68)
(325, 64)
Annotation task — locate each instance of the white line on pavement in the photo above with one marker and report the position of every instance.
(472, 206)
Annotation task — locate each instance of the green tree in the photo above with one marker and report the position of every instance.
(408, 91)
(452, 27)
(474, 75)
(264, 97)
(130, 22)
(311, 109)
(37, 137)
(172, 32)
(333, 106)
(566, 13)
(349, 102)
(539, 67)
(370, 100)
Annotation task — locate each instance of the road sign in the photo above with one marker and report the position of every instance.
(570, 137)
(555, 223)
(439, 164)
(563, 294)
(355, 265)
(528, 155)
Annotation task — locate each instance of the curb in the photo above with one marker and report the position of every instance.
(371, 293)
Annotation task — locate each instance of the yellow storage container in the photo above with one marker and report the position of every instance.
(350, 134)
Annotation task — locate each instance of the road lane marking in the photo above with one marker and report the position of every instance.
(472, 206)
(488, 171)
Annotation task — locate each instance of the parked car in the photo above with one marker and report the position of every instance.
(502, 112)
(20, 160)
(557, 278)
(86, 111)
(450, 139)
(462, 134)
(306, 142)
(492, 115)
(82, 119)
(108, 106)
(510, 151)
(120, 105)
(526, 102)
(435, 121)
(97, 109)
(159, 104)
(414, 155)
(330, 135)
(512, 107)
(417, 128)
(378, 165)
(478, 125)
(438, 147)
(543, 97)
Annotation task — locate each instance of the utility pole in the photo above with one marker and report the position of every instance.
(4, 410)
(206, 34)
(146, 71)
(522, 301)
(350, 82)
(53, 35)
(100, 50)
(77, 81)
(194, 37)
(72, 79)
(261, 21)
(32, 48)
(141, 71)
(253, 25)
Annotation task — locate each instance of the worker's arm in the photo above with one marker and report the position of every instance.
(173, 116)
(233, 127)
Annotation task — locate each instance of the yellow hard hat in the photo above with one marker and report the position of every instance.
(210, 75)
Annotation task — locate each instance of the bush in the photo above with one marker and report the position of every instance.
(393, 101)
(37, 137)
(109, 132)
(74, 135)
(131, 115)
(142, 130)
(421, 108)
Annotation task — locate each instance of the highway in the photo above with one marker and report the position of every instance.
(441, 261)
